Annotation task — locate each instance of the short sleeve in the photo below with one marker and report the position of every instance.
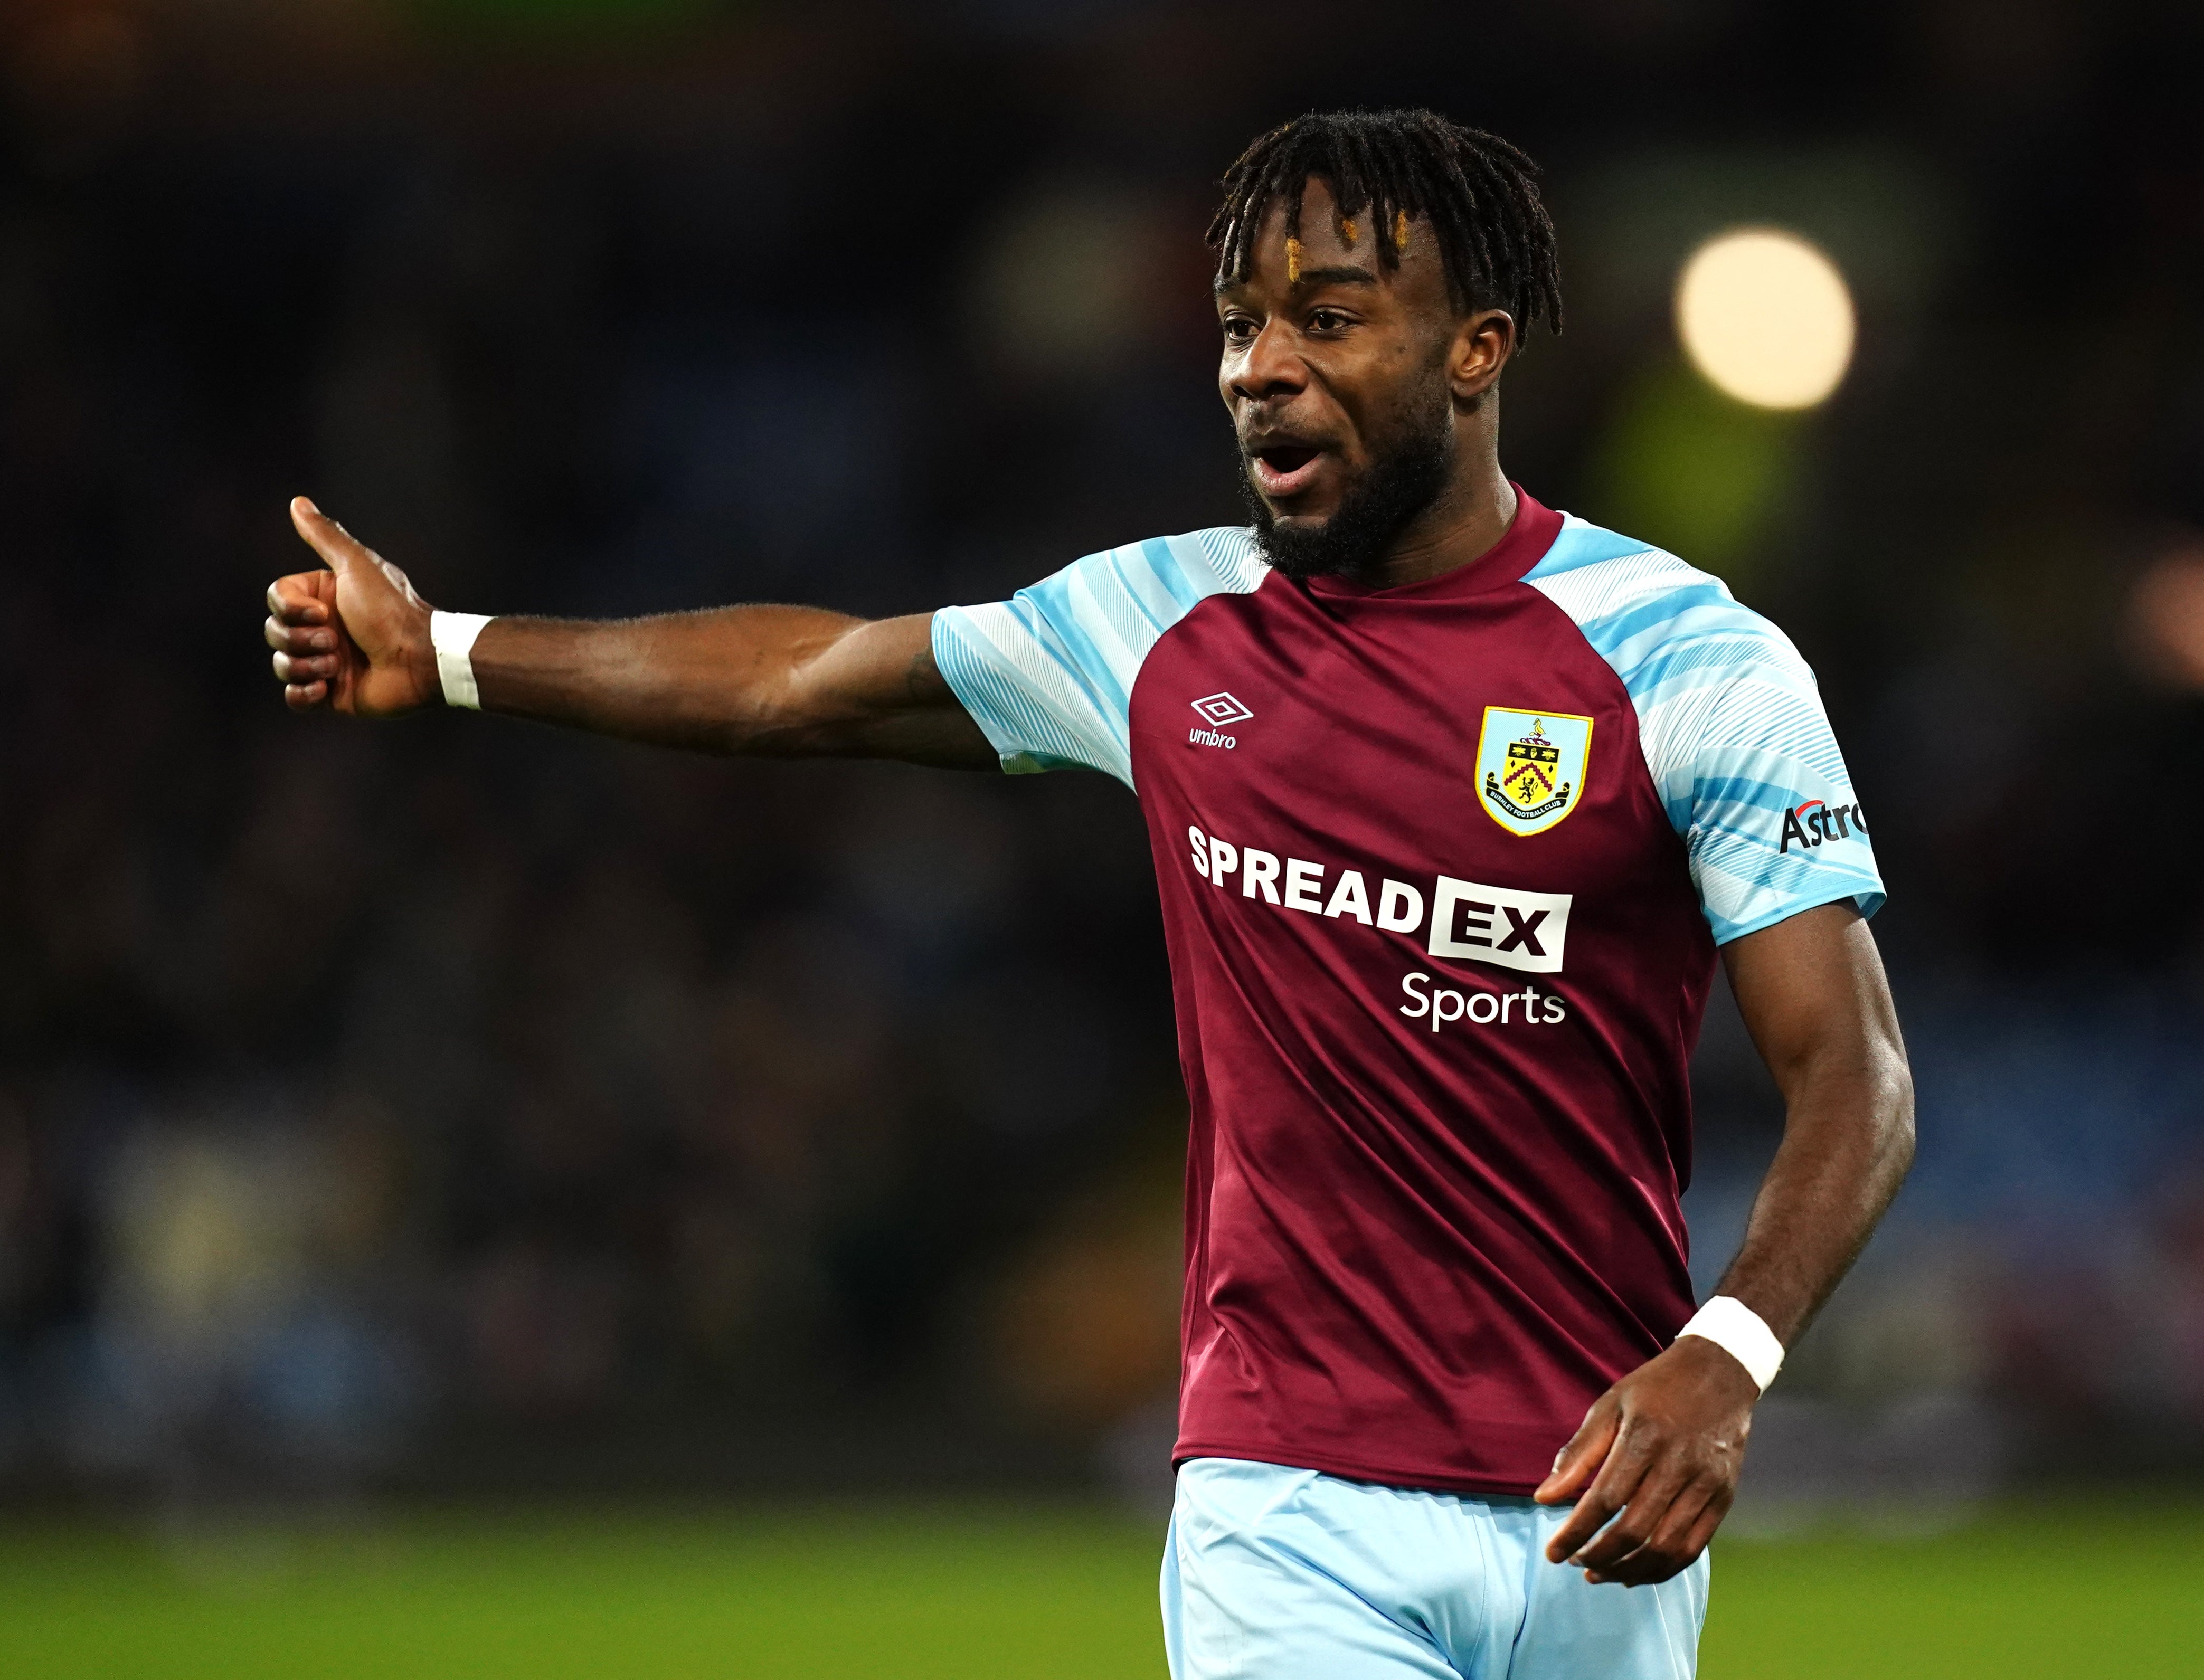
(1734, 734)
(1048, 674)
(1753, 780)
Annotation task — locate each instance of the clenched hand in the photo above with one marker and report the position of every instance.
(353, 638)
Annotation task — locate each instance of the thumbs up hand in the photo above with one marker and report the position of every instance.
(353, 638)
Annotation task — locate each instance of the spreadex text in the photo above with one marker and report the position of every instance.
(1468, 922)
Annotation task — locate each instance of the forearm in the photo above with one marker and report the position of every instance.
(1847, 1142)
(761, 681)
(725, 681)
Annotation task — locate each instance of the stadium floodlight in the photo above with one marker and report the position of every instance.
(1767, 317)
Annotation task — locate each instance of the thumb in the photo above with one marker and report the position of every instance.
(340, 550)
(1575, 1465)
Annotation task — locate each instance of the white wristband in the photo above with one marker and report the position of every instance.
(1742, 1333)
(452, 636)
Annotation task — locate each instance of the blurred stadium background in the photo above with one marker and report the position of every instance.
(481, 1202)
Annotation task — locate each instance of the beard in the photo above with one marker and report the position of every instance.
(1380, 503)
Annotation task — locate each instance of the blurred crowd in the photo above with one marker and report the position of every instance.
(456, 1102)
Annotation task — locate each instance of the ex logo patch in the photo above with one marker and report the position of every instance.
(1531, 767)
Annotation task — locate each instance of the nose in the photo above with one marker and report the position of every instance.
(1270, 368)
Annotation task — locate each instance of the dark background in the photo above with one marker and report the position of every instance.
(455, 1105)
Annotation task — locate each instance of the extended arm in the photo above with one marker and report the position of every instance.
(1664, 1446)
(780, 681)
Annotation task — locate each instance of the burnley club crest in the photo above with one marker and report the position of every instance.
(1531, 767)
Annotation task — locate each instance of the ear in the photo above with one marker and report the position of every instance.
(1484, 341)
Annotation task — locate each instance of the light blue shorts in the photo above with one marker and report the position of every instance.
(1276, 1574)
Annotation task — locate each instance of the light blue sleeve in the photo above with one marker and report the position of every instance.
(1731, 719)
(1048, 674)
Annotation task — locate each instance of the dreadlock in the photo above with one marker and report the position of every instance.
(1479, 194)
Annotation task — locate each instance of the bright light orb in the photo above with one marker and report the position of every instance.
(1767, 317)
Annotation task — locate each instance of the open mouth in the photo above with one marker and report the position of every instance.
(1283, 469)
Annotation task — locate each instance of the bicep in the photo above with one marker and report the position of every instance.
(873, 690)
(1812, 992)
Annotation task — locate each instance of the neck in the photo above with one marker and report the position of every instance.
(1469, 516)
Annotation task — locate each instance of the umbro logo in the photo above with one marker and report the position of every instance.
(1217, 708)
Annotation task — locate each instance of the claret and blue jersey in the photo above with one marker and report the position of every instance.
(1443, 868)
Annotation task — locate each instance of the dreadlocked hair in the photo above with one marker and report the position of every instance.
(1479, 194)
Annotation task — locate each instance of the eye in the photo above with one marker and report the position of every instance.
(1239, 329)
(1326, 320)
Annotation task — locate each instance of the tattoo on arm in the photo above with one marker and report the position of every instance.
(924, 682)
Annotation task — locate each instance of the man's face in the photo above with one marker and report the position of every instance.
(1338, 383)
